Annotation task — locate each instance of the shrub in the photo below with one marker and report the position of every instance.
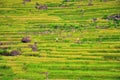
(108, 57)
(105, 17)
(4, 52)
(4, 67)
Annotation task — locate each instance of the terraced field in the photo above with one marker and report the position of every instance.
(69, 40)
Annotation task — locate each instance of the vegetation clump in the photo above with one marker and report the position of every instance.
(5, 52)
(90, 2)
(59, 39)
(25, 1)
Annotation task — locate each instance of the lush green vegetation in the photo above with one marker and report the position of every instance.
(70, 40)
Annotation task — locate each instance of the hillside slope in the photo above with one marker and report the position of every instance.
(64, 40)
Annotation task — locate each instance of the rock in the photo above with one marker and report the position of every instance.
(90, 4)
(114, 17)
(78, 6)
(26, 39)
(97, 27)
(27, 0)
(94, 19)
(1, 43)
(78, 40)
(34, 47)
(15, 53)
(40, 6)
(67, 0)
(5, 52)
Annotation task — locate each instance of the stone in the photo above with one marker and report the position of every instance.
(26, 39)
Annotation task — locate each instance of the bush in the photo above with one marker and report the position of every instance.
(105, 17)
(4, 52)
(4, 67)
(107, 57)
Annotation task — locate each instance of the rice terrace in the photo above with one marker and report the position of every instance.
(59, 39)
